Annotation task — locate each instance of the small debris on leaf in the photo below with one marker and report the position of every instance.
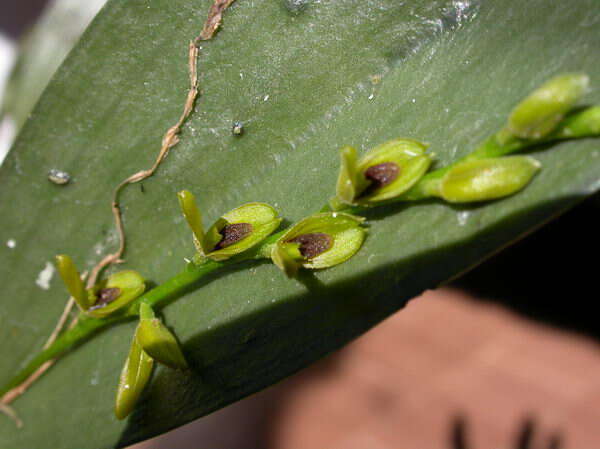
(58, 177)
(237, 129)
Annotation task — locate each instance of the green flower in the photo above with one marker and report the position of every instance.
(319, 241)
(384, 173)
(116, 292)
(106, 297)
(486, 179)
(233, 233)
(539, 113)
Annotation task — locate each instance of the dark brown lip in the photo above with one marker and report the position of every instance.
(106, 296)
(383, 174)
(233, 233)
(311, 245)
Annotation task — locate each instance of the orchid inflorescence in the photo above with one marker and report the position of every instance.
(393, 171)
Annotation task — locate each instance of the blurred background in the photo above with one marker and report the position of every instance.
(507, 356)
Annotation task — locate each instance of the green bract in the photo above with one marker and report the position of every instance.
(384, 173)
(127, 286)
(486, 179)
(539, 113)
(233, 233)
(319, 241)
(157, 341)
(134, 377)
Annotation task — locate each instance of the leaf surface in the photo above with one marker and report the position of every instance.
(305, 78)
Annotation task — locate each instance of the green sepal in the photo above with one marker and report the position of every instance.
(263, 219)
(352, 185)
(487, 179)
(131, 285)
(157, 341)
(72, 279)
(134, 377)
(541, 112)
(344, 229)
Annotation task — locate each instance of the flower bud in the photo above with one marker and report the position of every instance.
(384, 173)
(584, 123)
(134, 377)
(319, 241)
(116, 292)
(157, 341)
(539, 113)
(487, 179)
(233, 233)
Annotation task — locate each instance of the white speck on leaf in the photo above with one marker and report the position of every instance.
(463, 217)
(45, 276)
(12, 243)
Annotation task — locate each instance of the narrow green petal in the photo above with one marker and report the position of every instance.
(348, 185)
(287, 258)
(539, 113)
(191, 212)
(134, 377)
(213, 235)
(72, 280)
(487, 179)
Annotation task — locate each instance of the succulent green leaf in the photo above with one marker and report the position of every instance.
(262, 218)
(157, 341)
(130, 285)
(539, 113)
(72, 279)
(487, 179)
(134, 377)
(343, 229)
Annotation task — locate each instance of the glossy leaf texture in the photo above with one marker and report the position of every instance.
(305, 78)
